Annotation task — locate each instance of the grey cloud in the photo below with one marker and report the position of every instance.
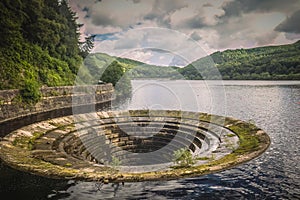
(162, 10)
(125, 44)
(207, 5)
(195, 36)
(268, 38)
(151, 16)
(233, 8)
(237, 26)
(178, 61)
(129, 40)
(195, 23)
(291, 24)
(292, 36)
(87, 11)
(156, 50)
(102, 20)
(237, 7)
(136, 1)
(242, 34)
(169, 6)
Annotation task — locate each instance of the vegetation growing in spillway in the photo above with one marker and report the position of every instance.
(38, 148)
(39, 43)
(183, 158)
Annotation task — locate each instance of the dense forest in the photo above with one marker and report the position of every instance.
(263, 63)
(39, 44)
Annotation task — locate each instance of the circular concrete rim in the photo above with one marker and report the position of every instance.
(21, 158)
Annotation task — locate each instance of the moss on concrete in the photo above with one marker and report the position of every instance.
(20, 154)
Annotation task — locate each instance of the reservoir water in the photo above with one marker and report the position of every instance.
(273, 106)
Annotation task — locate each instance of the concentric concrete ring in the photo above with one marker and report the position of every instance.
(81, 149)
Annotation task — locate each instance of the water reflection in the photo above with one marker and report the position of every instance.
(274, 175)
(185, 95)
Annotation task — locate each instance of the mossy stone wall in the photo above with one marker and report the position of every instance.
(55, 102)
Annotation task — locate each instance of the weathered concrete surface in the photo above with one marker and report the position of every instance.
(56, 148)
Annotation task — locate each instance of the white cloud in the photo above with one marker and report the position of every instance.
(129, 40)
(248, 31)
(143, 56)
(108, 15)
(214, 25)
(163, 44)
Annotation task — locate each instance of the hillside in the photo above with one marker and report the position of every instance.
(265, 63)
(119, 72)
(262, 63)
(110, 69)
(39, 44)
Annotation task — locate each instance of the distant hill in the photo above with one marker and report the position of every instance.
(262, 63)
(105, 67)
(40, 46)
(265, 63)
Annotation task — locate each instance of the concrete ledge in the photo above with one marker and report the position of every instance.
(56, 148)
(55, 102)
(52, 98)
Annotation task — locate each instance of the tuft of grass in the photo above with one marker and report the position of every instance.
(68, 164)
(248, 141)
(230, 135)
(27, 142)
(202, 158)
(183, 158)
(116, 162)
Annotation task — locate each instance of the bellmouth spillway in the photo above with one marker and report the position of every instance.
(135, 145)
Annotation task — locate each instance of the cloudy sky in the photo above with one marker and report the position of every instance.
(175, 32)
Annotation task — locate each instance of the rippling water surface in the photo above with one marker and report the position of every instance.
(272, 106)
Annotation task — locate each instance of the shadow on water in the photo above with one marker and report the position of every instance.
(20, 185)
(274, 175)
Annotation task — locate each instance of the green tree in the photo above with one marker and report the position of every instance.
(273, 62)
(112, 73)
(87, 46)
(40, 37)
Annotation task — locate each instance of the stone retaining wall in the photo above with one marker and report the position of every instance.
(53, 99)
